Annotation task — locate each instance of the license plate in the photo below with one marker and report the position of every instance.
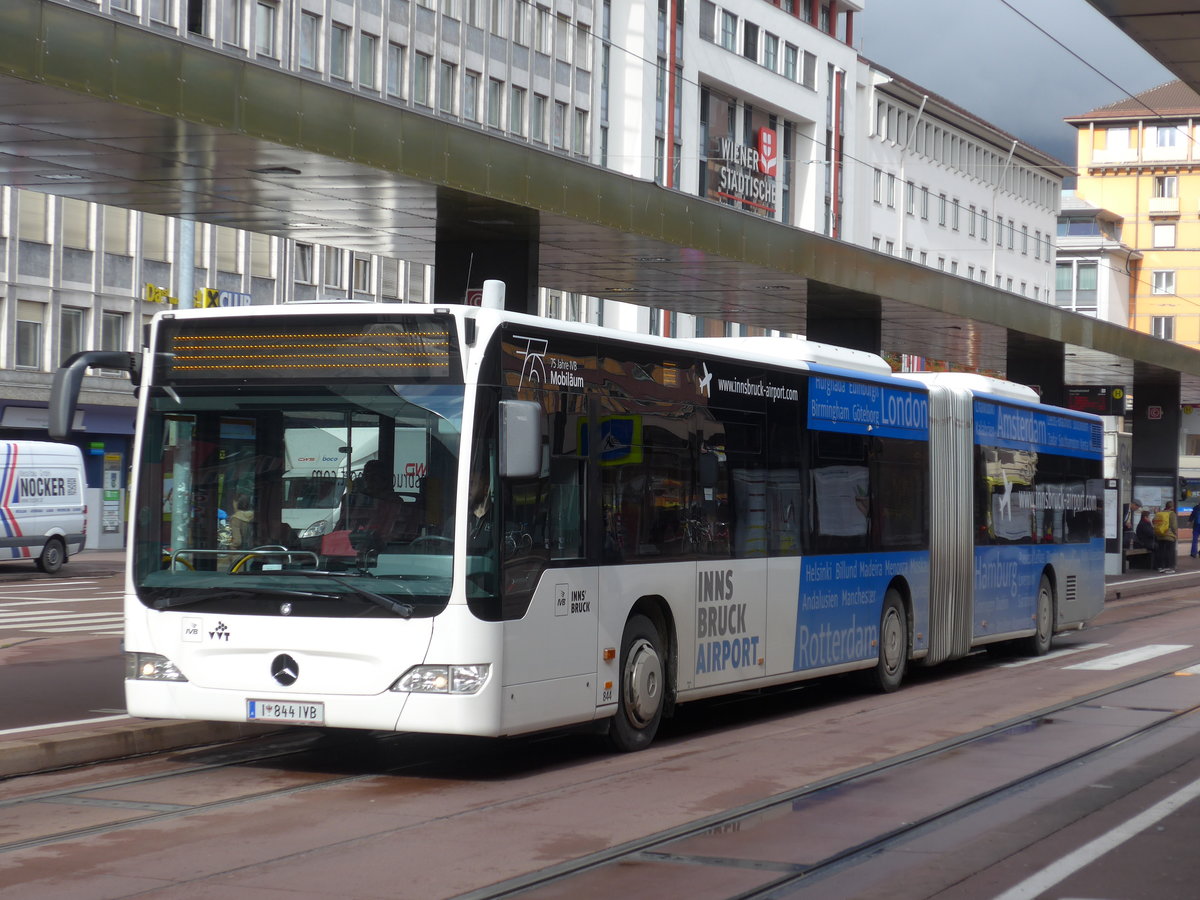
(285, 712)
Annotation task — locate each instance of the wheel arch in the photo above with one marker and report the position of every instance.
(656, 608)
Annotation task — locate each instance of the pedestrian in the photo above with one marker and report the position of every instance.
(1166, 528)
(1194, 518)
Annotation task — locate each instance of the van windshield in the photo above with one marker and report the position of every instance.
(247, 493)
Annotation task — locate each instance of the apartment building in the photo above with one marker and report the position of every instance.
(1138, 159)
(943, 188)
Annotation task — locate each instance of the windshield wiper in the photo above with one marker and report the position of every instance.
(400, 608)
(243, 594)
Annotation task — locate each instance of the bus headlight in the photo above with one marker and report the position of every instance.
(443, 679)
(151, 667)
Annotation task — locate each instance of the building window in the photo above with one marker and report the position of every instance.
(367, 44)
(1163, 327)
(878, 186)
(447, 76)
(70, 332)
(304, 263)
(422, 64)
(470, 101)
(266, 21)
(334, 277)
(729, 25)
(516, 109)
(542, 38)
(520, 27)
(76, 224)
(942, 204)
(791, 54)
(362, 273)
(495, 110)
(925, 203)
(231, 23)
(891, 190)
(395, 70)
(750, 41)
(583, 47)
(1166, 186)
(310, 41)
(579, 142)
(339, 51)
(560, 125)
(1167, 136)
(112, 331)
(1164, 235)
(29, 334)
(809, 72)
(537, 119)
(770, 57)
(983, 225)
(1163, 281)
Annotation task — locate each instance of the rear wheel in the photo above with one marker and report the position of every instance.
(642, 687)
(893, 645)
(54, 554)
(1038, 643)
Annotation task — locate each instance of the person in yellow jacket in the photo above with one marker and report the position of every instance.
(1166, 527)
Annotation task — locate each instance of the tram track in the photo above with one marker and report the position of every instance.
(790, 875)
(310, 761)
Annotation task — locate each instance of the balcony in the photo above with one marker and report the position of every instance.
(1164, 206)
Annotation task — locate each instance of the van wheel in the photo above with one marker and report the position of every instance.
(642, 687)
(54, 554)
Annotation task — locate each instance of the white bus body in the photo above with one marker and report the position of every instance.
(43, 516)
(605, 524)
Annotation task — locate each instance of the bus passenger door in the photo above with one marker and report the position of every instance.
(549, 589)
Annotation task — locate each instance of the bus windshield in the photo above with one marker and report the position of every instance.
(330, 501)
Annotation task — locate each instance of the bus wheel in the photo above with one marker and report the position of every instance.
(642, 687)
(893, 645)
(54, 554)
(1038, 643)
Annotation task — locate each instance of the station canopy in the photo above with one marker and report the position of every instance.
(103, 111)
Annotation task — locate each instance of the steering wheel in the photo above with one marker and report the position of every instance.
(429, 540)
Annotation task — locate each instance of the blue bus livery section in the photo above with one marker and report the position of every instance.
(862, 407)
(1007, 577)
(841, 599)
(1019, 428)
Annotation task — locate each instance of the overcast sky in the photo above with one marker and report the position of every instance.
(981, 55)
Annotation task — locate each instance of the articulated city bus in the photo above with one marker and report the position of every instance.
(539, 524)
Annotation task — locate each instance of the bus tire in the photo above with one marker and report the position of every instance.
(1038, 643)
(54, 555)
(889, 669)
(642, 687)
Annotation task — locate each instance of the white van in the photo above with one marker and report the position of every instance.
(43, 516)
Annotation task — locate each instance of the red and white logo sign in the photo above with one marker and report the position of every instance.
(768, 151)
(1154, 412)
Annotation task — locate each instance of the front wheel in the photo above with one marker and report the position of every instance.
(893, 645)
(642, 687)
(1038, 643)
(54, 554)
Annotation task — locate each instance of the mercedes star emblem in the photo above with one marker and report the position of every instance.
(285, 669)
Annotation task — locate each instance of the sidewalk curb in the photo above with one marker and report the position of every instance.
(67, 748)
